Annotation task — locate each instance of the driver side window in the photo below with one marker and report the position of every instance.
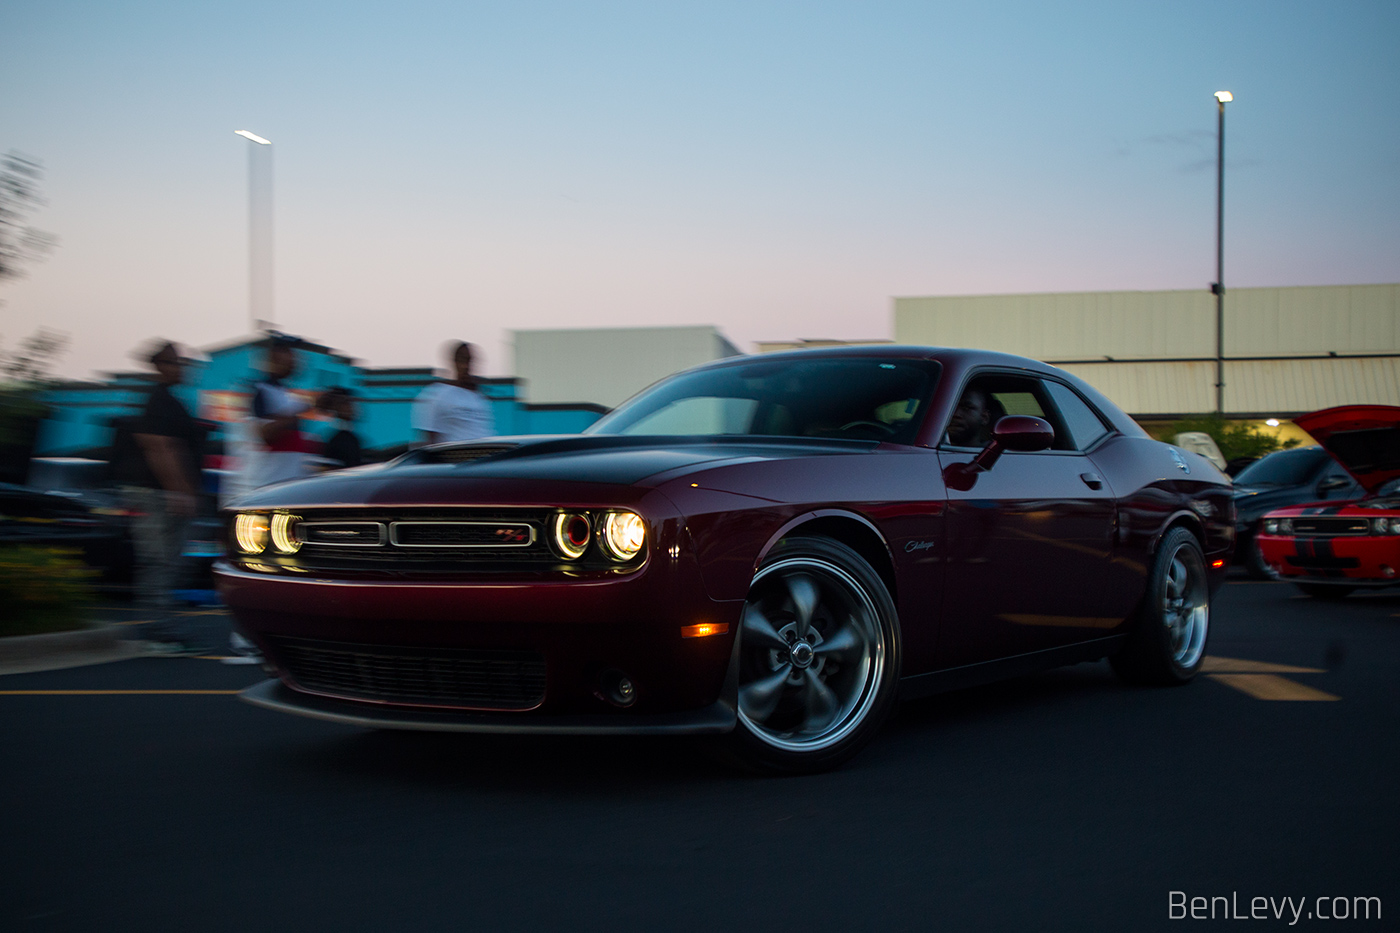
(989, 397)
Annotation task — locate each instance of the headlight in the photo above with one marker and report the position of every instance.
(1270, 526)
(250, 530)
(1285, 526)
(283, 534)
(1395, 526)
(623, 534)
(571, 532)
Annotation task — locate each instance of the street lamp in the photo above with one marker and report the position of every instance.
(259, 229)
(1221, 99)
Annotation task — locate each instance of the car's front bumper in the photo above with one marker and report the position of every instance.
(1359, 560)
(522, 649)
(715, 719)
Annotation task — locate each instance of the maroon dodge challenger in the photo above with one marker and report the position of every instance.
(770, 549)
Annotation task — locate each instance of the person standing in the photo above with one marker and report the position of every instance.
(342, 447)
(454, 410)
(273, 446)
(157, 474)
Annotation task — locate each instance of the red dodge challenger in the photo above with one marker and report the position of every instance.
(1330, 548)
(769, 549)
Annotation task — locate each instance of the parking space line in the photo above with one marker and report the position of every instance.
(119, 692)
(1271, 687)
(1214, 664)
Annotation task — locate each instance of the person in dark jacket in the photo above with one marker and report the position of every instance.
(157, 473)
(343, 447)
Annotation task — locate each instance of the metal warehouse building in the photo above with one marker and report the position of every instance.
(1287, 350)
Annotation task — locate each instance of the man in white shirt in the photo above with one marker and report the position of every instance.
(455, 410)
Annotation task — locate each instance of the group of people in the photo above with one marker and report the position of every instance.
(157, 459)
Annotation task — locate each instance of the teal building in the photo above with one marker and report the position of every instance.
(217, 389)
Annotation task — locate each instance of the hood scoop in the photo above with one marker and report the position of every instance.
(460, 453)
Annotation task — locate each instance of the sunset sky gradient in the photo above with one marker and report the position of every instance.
(780, 170)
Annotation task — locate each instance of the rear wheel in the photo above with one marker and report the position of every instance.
(1324, 590)
(1168, 639)
(818, 658)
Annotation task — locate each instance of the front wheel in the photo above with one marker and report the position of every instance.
(818, 658)
(1168, 640)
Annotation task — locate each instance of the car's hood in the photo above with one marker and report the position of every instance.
(1364, 439)
(572, 458)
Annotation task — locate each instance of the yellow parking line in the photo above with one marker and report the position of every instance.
(1214, 664)
(119, 692)
(1271, 687)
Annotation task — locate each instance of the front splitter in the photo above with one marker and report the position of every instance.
(715, 719)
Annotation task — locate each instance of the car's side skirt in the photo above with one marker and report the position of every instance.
(972, 675)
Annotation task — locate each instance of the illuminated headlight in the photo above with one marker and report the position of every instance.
(1270, 526)
(283, 535)
(623, 535)
(1285, 526)
(571, 532)
(250, 531)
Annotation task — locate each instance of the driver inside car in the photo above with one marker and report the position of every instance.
(971, 424)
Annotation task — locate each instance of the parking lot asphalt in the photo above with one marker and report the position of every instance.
(141, 795)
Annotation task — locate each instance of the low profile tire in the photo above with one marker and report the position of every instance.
(818, 658)
(1168, 639)
(1324, 590)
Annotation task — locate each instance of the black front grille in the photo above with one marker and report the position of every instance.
(473, 679)
(1331, 526)
(462, 534)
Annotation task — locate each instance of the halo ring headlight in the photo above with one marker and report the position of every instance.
(283, 533)
(623, 535)
(250, 531)
(571, 532)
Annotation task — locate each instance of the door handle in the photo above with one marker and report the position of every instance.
(1092, 480)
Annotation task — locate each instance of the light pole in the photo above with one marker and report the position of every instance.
(260, 309)
(1221, 99)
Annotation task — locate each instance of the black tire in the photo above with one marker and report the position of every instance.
(817, 611)
(1167, 642)
(1325, 590)
(1253, 561)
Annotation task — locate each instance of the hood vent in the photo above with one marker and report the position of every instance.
(462, 454)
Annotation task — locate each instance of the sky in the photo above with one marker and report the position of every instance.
(779, 170)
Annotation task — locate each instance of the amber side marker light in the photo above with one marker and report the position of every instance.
(703, 629)
(1217, 564)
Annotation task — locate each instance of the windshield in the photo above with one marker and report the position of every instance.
(1284, 468)
(854, 398)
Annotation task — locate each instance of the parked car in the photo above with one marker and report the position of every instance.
(1283, 478)
(85, 481)
(33, 518)
(771, 549)
(1330, 548)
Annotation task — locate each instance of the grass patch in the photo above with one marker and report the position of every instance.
(43, 589)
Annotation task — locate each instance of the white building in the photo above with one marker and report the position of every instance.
(1287, 350)
(607, 365)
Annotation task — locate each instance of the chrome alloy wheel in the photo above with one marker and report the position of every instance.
(1186, 606)
(811, 655)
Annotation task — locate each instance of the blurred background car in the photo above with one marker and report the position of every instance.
(1283, 478)
(84, 483)
(1328, 549)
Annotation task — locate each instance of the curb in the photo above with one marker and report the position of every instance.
(94, 645)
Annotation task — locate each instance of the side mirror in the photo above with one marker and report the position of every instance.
(1020, 433)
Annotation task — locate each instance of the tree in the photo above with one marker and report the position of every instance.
(1239, 439)
(32, 363)
(20, 243)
